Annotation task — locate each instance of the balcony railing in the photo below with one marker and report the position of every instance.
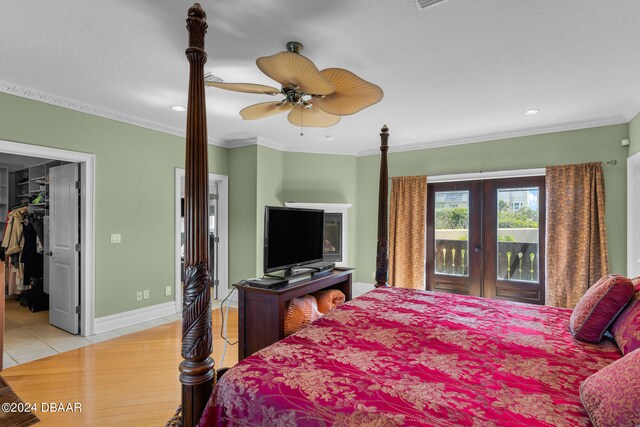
(516, 260)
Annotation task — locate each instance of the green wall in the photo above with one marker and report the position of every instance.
(324, 178)
(134, 194)
(242, 213)
(579, 146)
(269, 193)
(634, 135)
(262, 176)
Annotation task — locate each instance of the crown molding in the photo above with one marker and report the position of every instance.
(70, 104)
(241, 142)
(315, 150)
(563, 127)
(633, 111)
(258, 140)
(36, 95)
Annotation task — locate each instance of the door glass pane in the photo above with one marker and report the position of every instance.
(452, 232)
(518, 234)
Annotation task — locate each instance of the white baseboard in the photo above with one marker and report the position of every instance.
(128, 318)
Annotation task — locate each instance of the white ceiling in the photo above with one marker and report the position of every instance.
(460, 71)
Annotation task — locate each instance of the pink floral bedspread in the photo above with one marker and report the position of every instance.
(396, 357)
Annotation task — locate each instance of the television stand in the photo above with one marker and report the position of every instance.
(261, 312)
(290, 273)
(321, 266)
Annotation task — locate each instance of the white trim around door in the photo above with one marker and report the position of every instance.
(222, 182)
(87, 220)
(633, 209)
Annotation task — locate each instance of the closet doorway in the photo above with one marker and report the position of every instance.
(47, 298)
(218, 236)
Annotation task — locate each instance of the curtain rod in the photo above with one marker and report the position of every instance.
(469, 176)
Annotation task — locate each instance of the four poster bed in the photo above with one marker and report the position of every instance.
(390, 357)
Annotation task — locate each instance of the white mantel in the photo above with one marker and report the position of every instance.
(330, 208)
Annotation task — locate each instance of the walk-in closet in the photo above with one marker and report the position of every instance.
(39, 267)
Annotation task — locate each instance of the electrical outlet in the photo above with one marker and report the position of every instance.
(167, 291)
(138, 296)
(116, 238)
(146, 294)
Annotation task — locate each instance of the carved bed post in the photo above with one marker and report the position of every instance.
(196, 370)
(382, 256)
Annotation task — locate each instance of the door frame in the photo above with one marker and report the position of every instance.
(633, 207)
(223, 230)
(483, 176)
(87, 219)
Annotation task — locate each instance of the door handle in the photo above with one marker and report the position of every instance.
(49, 253)
(477, 249)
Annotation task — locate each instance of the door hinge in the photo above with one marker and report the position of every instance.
(214, 196)
(78, 185)
(216, 239)
(216, 282)
(77, 309)
(78, 247)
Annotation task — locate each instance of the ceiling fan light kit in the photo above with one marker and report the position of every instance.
(313, 98)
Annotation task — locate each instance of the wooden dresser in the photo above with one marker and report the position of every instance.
(261, 312)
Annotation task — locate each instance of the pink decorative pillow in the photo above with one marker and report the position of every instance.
(611, 396)
(599, 306)
(626, 328)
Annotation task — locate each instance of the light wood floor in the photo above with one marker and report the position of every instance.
(127, 381)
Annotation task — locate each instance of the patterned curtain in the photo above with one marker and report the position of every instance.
(407, 231)
(576, 251)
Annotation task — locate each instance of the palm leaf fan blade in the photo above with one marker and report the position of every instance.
(312, 117)
(264, 109)
(245, 87)
(352, 93)
(288, 68)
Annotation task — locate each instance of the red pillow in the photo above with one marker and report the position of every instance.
(599, 307)
(611, 396)
(626, 328)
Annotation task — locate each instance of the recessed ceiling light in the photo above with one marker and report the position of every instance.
(531, 112)
(178, 108)
(328, 137)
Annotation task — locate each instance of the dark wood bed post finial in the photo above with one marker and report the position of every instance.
(196, 370)
(382, 254)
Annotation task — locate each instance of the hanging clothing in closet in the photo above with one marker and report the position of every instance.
(12, 240)
(32, 260)
(12, 243)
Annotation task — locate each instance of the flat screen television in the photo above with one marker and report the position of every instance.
(292, 238)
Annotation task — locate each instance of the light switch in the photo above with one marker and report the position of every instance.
(116, 238)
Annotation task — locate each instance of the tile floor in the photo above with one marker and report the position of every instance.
(29, 336)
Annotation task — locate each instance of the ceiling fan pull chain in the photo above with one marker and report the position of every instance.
(301, 118)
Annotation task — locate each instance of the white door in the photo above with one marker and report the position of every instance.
(64, 282)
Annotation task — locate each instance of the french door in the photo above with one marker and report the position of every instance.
(486, 238)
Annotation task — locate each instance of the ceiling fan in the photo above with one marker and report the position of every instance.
(312, 97)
